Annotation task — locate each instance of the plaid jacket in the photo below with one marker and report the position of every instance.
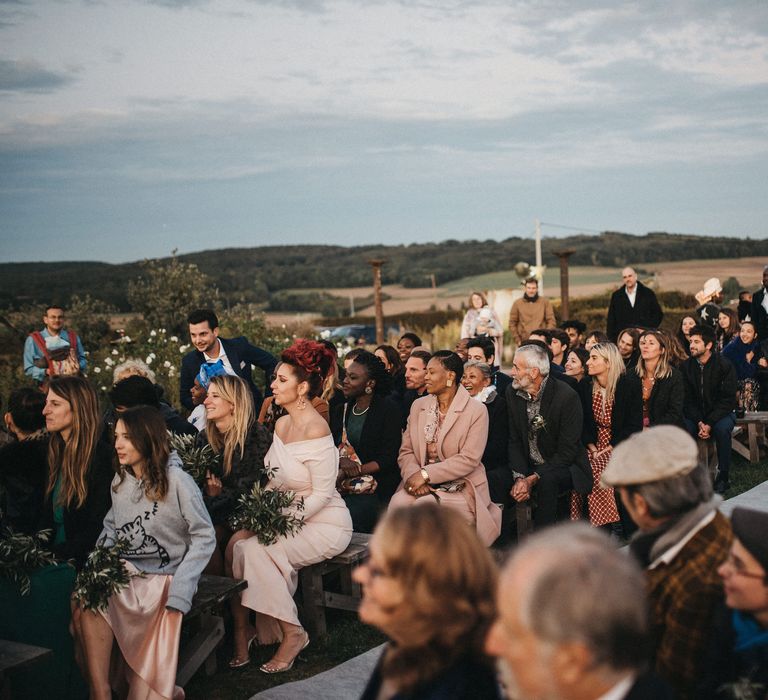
(683, 597)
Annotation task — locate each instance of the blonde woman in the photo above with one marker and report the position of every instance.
(663, 390)
(612, 408)
(241, 442)
(79, 468)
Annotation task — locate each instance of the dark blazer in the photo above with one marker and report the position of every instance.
(241, 354)
(82, 526)
(379, 441)
(665, 405)
(559, 441)
(646, 313)
(23, 478)
(496, 457)
(649, 686)
(627, 416)
(759, 315)
(501, 380)
(718, 397)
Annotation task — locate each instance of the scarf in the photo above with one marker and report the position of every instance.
(749, 633)
(486, 395)
(532, 299)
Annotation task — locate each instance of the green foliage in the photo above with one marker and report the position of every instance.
(103, 575)
(197, 460)
(90, 319)
(268, 513)
(167, 290)
(731, 289)
(22, 554)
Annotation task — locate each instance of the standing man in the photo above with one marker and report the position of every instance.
(237, 355)
(54, 350)
(484, 350)
(633, 305)
(530, 312)
(760, 307)
(710, 398)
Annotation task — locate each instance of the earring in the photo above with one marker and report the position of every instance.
(368, 390)
(301, 404)
(449, 382)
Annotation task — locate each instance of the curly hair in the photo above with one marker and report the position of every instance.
(450, 580)
(148, 434)
(311, 362)
(376, 372)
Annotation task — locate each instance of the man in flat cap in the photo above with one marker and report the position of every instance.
(738, 654)
(682, 539)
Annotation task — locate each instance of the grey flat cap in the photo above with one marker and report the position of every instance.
(662, 452)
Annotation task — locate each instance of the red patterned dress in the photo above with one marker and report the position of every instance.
(602, 502)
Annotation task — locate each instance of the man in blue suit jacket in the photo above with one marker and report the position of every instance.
(237, 355)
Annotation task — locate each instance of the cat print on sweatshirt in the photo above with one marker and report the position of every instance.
(140, 542)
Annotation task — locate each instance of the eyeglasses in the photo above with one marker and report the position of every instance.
(738, 568)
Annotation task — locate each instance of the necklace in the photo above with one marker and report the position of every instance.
(364, 411)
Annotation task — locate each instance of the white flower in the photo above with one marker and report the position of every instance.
(103, 388)
(153, 333)
(152, 355)
(109, 362)
(97, 370)
(171, 371)
(162, 330)
(126, 339)
(183, 348)
(114, 351)
(149, 359)
(174, 339)
(166, 364)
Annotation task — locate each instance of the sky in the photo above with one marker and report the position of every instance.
(130, 128)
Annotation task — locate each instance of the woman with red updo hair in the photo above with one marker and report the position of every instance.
(305, 461)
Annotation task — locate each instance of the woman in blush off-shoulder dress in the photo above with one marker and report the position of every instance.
(305, 461)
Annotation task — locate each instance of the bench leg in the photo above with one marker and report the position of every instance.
(754, 449)
(312, 602)
(200, 649)
(524, 520)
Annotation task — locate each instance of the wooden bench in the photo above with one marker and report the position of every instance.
(203, 627)
(313, 596)
(13, 656)
(752, 426)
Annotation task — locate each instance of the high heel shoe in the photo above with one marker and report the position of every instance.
(269, 668)
(236, 662)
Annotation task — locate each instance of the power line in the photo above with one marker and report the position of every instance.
(577, 228)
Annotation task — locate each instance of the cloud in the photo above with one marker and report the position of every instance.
(29, 76)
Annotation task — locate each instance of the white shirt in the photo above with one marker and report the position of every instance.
(224, 359)
(631, 295)
(620, 690)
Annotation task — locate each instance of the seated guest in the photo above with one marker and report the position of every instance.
(545, 422)
(139, 391)
(350, 357)
(461, 348)
(744, 354)
(744, 308)
(558, 344)
(575, 330)
(366, 429)
(683, 333)
(415, 380)
(271, 412)
(241, 442)
(595, 338)
(576, 364)
(663, 390)
(199, 392)
(540, 338)
(710, 399)
(572, 620)
(158, 507)
(24, 462)
(727, 328)
(406, 344)
(429, 587)
(442, 448)
(627, 344)
(710, 299)
(482, 350)
(481, 321)
(395, 366)
(681, 541)
(738, 649)
(304, 460)
(477, 381)
(130, 368)
(612, 410)
(80, 470)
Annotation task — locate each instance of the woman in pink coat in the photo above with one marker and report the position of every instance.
(442, 447)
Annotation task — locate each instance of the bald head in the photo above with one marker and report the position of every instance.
(630, 278)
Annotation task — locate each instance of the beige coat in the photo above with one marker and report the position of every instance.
(460, 445)
(526, 316)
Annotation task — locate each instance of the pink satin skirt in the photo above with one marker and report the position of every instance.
(148, 639)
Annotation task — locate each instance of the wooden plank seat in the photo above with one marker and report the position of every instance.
(203, 627)
(752, 427)
(313, 595)
(14, 656)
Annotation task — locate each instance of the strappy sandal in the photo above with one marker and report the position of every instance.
(269, 668)
(236, 662)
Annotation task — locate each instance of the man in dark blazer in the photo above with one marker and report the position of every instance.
(633, 305)
(572, 622)
(545, 421)
(237, 355)
(759, 313)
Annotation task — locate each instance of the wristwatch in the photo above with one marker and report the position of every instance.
(425, 475)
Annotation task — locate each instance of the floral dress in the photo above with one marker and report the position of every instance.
(601, 501)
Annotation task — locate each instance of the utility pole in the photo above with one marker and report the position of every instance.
(376, 265)
(539, 267)
(564, 304)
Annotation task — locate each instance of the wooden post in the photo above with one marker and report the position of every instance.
(376, 265)
(563, 255)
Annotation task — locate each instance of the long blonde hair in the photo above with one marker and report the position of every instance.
(663, 366)
(610, 353)
(450, 581)
(235, 391)
(72, 458)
